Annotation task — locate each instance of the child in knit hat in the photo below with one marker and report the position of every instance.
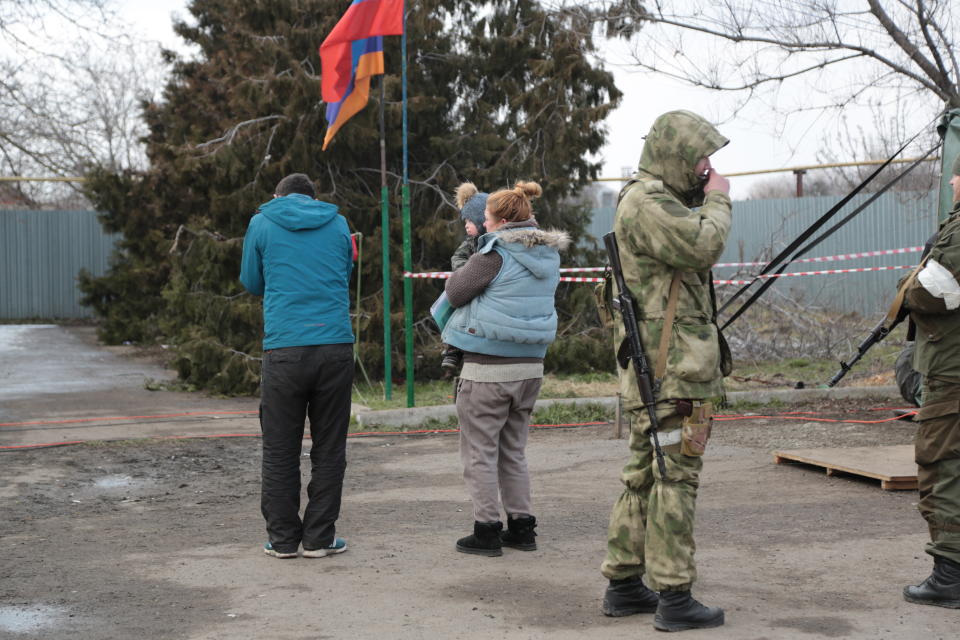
(473, 204)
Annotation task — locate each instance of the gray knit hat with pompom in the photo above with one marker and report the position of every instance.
(472, 203)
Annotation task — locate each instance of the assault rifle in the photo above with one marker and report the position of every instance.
(897, 314)
(879, 332)
(649, 388)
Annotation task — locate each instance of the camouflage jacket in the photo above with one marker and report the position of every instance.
(466, 249)
(658, 233)
(938, 329)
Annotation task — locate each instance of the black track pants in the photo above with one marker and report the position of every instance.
(298, 382)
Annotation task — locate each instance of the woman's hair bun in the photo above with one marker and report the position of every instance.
(464, 192)
(529, 189)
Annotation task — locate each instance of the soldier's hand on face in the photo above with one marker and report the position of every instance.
(716, 182)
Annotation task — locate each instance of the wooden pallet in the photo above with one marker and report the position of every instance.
(894, 466)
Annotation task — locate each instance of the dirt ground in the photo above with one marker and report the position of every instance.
(161, 538)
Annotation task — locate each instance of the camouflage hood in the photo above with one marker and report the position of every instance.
(676, 142)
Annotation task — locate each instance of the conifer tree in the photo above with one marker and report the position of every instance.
(498, 91)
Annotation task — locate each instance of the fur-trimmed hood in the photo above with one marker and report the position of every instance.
(532, 236)
(536, 249)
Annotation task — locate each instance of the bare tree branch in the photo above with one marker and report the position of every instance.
(63, 110)
(912, 51)
(931, 45)
(231, 133)
(741, 45)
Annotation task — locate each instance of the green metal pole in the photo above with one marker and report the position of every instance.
(407, 253)
(385, 256)
(387, 347)
(408, 294)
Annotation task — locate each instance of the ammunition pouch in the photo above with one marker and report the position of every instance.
(695, 431)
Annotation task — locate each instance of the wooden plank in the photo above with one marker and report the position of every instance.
(898, 485)
(893, 466)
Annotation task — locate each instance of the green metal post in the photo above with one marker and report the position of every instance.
(407, 253)
(408, 294)
(385, 233)
(385, 247)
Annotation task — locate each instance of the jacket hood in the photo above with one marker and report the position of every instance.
(676, 142)
(531, 247)
(297, 212)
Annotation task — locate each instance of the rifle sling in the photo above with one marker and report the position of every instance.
(668, 317)
(897, 303)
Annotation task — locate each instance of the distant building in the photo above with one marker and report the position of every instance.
(602, 201)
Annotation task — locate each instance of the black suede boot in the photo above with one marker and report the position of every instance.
(941, 589)
(485, 540)
(520, 534)
(628, 597)
(678, 611)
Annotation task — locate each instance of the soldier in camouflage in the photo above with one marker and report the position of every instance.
(933, 298)
(672, 222)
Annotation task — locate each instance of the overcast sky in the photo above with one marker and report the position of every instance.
(759, 138)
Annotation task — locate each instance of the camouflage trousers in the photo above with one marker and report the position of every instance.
(937, 448)
(651, 525)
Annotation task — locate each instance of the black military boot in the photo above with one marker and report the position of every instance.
(941, 589)
(485, 540)
(628, 597)
(520, 534)
(678, 611)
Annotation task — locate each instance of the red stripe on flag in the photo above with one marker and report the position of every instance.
(363, 19)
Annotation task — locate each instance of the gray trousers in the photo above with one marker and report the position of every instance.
(494, 423)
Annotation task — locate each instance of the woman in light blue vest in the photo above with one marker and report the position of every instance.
(504, 321)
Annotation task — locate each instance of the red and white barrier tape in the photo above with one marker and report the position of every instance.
(815, 273)
(446, 274)
(442, 275)
(842, 256)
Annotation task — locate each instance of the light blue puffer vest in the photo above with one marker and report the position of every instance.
(515, 315)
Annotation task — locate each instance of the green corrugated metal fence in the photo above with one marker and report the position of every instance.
(761, 228)
(41, 253)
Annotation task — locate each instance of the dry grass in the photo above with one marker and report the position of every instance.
(584, 386)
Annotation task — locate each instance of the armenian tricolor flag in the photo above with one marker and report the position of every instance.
(352, 54)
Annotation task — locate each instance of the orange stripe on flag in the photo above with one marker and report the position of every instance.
(368, 65)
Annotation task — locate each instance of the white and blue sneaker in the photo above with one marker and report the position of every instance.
(339, 545)
(270, 551)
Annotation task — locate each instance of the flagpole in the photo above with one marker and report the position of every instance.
(385, 245)
(407, 253)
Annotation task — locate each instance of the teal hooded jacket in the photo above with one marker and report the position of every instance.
(298, 255)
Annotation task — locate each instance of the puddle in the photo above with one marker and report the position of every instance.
(13, 336)
(116, 482)
(30, 618)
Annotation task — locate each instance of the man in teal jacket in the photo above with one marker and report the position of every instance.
(297, 254)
